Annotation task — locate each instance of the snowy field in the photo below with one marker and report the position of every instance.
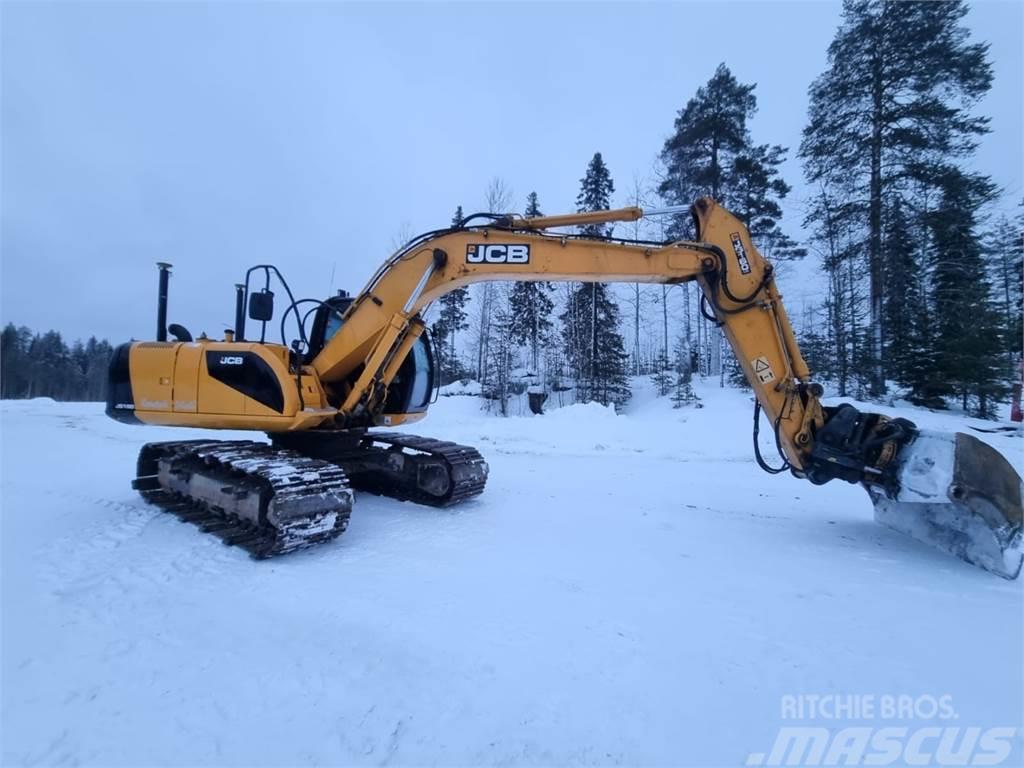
(630, 590)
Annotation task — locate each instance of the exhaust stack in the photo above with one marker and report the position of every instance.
(239, 312)
(161, 300)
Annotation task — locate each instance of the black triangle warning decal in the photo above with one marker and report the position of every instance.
(761, 365)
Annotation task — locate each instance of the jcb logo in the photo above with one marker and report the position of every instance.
(741, 253)
(231, 361)
(497, 254)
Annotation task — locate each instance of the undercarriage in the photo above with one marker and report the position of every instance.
(297, 492)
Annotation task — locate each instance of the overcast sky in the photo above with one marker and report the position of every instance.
(219, 135)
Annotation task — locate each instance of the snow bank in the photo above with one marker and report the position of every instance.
(629, 589)
(468, 387)
(583, 413)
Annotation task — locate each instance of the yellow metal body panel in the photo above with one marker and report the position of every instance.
(152, 372)
(350, 376)
(397, 419)
(187, 366)
(172, 385)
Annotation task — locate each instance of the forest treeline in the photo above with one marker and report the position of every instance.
(922, 289)
(43, 365)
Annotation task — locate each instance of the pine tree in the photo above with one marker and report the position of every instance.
(755, 191)
(710, 133)
(710, 152)
(893, 107)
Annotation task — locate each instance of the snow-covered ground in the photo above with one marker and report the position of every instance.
(630, 589)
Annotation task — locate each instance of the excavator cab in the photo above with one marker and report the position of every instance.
(327, 321)
(411, 391)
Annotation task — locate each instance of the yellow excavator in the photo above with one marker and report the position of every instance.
(366, 361)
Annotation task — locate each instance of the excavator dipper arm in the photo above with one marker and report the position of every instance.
(950, 491)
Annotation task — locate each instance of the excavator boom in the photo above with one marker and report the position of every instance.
(367, 364)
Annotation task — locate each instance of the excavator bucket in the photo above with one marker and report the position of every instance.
(960, 495)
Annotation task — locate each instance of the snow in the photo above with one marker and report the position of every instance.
(929, 473)
(467, 387)
(630, 589)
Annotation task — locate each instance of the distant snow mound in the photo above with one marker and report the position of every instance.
(463, 387)
(583, 411)
(42, 401)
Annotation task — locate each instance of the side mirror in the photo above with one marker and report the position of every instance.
(261, 306)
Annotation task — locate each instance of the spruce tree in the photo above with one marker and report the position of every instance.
(967, 325)
(451, 319)
(594, 350)
(816, 348)
(532, 207)
(531, 306)
(830, 223)
(662, 377)
(590, 323)
(14, 361)
(892, 108)
(903, 298)
(499, 363)
(596, 189)
(1006, 256)
(682, 392)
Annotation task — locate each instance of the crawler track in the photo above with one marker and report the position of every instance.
(406, 467)
(465, 468)
(266, 500)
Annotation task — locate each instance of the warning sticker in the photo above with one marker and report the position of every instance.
(763, 370)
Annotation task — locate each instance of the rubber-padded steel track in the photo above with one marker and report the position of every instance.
(267, 500)
(405, 467)
(466, 469)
